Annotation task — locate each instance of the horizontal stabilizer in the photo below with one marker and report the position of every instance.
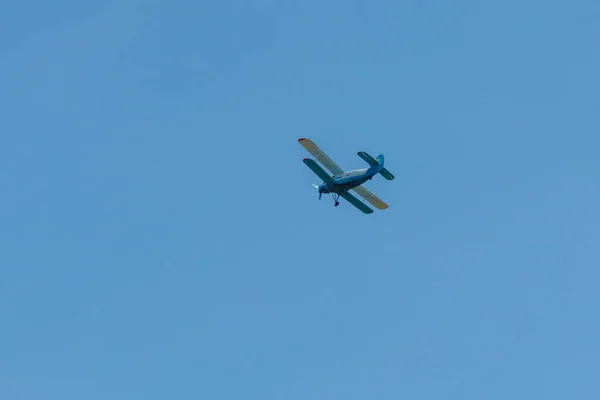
(386, 174)
(370, 160)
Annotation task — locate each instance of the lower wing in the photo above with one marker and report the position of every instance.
(370, 197)
(356, 203)
(318, 170)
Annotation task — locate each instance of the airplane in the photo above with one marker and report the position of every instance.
(342, 181)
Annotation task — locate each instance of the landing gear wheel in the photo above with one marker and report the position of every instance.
(337, 203)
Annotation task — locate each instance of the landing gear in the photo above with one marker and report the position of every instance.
(323, 189)
(336, 198)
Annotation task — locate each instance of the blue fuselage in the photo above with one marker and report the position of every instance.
(351, 179)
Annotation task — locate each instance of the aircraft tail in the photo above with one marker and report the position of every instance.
(377, 162)
(384, 172)
(370, 160)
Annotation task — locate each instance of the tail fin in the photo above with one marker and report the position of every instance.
(380, 159)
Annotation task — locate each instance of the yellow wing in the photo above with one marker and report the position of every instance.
(370, 197)
(321, 156)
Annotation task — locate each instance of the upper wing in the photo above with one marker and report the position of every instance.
(321, 156)
(318, 170)
(356, 203)
(370, 197)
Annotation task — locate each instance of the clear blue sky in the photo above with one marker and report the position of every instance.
(160, 238)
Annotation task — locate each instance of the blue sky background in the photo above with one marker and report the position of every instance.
(160, 237)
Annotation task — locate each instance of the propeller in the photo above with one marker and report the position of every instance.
(320, 192)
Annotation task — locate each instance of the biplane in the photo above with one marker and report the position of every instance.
(340, 184)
